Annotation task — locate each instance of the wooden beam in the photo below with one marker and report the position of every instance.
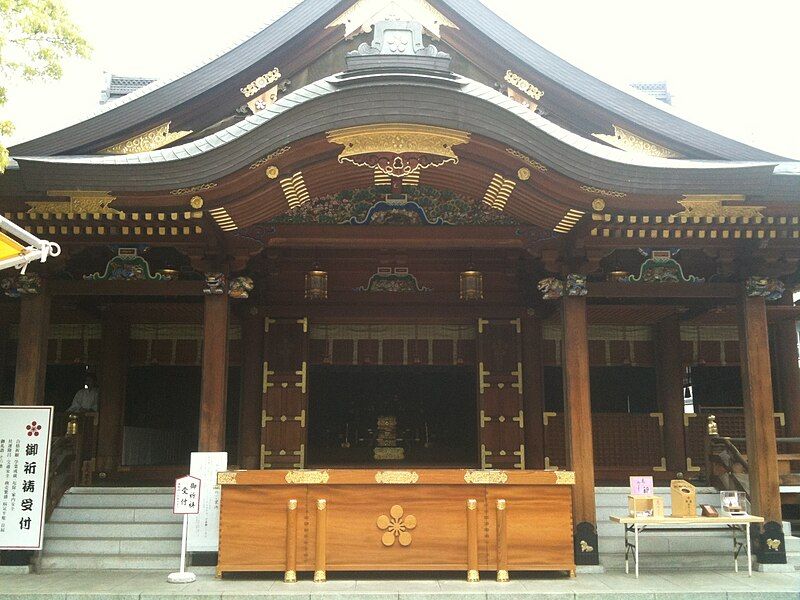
(111, 378)
(669, 375)
(533, 391)
(127, 288)
(608, 289)
(250, 406)
(578, 426)
(762, 453)
(214, 386)
(34, 330)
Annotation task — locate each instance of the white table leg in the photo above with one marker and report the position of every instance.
(749, 560)
(734, 531)
(626, 549)
(636, 549)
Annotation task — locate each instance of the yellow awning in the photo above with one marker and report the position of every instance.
(9, 248)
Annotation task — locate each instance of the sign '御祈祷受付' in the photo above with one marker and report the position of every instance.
(24, 460)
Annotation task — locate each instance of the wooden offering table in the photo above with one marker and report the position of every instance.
(421, 519)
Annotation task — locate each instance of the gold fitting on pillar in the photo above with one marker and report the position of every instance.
(501, 504)
(502, 575)
(292, 504)
(322, 504)
(472, 504)
(290, 577)
(72, 424)
(320, 577)
(473, 576)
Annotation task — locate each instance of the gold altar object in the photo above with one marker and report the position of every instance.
(684, 498)
(436, 521)
(645, 505)
(387, 448)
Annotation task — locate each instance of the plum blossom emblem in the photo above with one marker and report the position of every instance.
(396, 526)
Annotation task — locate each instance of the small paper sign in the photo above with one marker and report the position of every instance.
(187, 496)
(641, 486)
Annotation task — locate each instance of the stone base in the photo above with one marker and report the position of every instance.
(774, 568)
(15, 569)
(589, 569)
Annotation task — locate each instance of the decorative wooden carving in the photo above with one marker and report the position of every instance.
(80, 203)
(630, 142)
(712, 206)
(226, 478)
(252, 88)
(565, 477)
(307, 477)
(485, 477)
(397, 477)
(396, 526)
(364, 14)
(150, 140)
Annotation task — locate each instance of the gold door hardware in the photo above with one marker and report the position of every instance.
(520, 419)
(266, 384)
(264, 454)
(659, 416)
(481, 374)
(267, 323)
(521, 454)
(304, 323)
(484, 419)
(663, 466)
(484, 454)
(302, 372)
(546, 417)
(302, 454)
(481, 323)
(518, 375)
(301, 418)
(265, 419)
(518, 323)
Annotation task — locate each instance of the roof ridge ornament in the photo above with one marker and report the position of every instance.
(364, 14)
(630, 142)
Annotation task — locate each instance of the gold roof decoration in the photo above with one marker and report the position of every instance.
(150, 140)
(527, 160)
(80, 202)
(712, 206)
(525, 87)
(365, 13)
(630, 142)
(600, 191)
(398, 149)
(259, 83)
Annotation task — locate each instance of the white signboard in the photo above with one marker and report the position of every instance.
(24, 463)
(187, 496)
(204, 527)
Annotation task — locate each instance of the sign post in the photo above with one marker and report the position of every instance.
(186, 502)
(203, 532)
(24, 463)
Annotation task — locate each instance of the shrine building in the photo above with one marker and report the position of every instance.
(394, 236)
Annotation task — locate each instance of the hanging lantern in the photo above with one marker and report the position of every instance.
(316, 284)
(471, 285)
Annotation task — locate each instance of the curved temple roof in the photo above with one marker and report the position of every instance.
(401, 97)
(157, 99)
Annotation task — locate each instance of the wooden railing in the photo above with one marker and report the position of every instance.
(72, 457)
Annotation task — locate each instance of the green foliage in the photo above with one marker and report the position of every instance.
(35, 37)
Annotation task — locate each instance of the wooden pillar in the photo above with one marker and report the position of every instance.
(213, 391)
(762, 453)
(669, 376)
(34, 331)
(788, 372)
(578, 426)
(533, 390)
(250, 406)
(111, 379)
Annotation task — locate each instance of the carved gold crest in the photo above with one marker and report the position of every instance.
(397, 477)
(485, 476)
(305, 477)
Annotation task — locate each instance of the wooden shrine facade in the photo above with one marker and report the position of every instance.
(358, 197)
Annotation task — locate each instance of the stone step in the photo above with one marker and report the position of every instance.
(106, 491)
(67, 530)
(113, 515)
(78, 562)
(99, 500)
(673, 561)
(54, 546)
(661, 490)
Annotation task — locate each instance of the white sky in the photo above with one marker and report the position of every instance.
(731, 65)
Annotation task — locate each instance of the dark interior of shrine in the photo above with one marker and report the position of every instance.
(392, 415)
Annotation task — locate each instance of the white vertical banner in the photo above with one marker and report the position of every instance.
(203, 533)
(24, 465)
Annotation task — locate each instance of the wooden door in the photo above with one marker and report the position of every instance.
(285, 394)
(500, 394)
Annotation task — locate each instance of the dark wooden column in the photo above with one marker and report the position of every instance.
(252, 374)
(34, 331)
(213, 392)
(578, 422)
(762, 453)
(111, 379)
(533, 390)
(669, 374)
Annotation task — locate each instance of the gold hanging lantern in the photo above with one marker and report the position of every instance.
(471, 284)
(316, 284)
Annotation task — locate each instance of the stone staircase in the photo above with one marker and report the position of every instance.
(691, 550)
(134, 528)
(113, 528)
